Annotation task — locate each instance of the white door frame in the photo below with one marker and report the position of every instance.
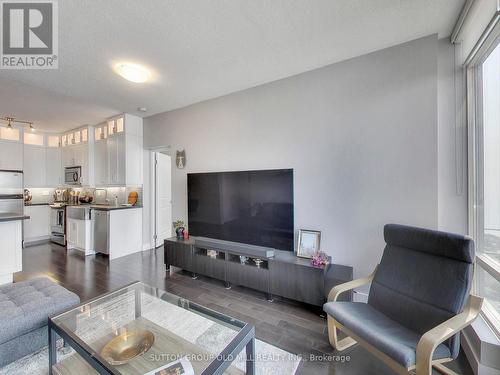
(153, 180)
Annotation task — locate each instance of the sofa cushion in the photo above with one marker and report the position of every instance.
(387, 335)
(25, 306)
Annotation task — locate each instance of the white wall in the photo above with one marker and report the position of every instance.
(452, 162)
(361, 136)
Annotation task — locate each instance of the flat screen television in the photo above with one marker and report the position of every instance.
(250, 207)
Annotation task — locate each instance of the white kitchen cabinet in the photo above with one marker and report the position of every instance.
(117, 159)
(11, 155)
(10, 250)
(68, 157)
(37, 227)
(79, 235)
(122, 163)
(34, 166)
(101, 163)
(53, 173)
(125, 237)
(77, 156)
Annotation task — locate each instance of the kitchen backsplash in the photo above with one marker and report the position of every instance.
(46, 195)
(41, 195)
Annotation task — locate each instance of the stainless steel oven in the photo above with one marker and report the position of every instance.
(58, 225)
(72, 175)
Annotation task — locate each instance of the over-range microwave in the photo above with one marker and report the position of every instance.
(72, 175)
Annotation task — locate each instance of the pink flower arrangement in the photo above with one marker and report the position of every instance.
(319, 259)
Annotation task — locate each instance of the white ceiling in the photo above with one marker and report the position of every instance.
(201, 49)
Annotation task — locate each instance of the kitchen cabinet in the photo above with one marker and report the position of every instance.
(10, 250)
(79, 235)
(53, 172)
(118, 152)
(76, 233)
(77, 156)
(101, 162)
(123, 232)
(37, 227)
(116, 159)
(11, 155)
(34, 166)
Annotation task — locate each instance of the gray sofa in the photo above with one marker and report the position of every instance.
(24, 310)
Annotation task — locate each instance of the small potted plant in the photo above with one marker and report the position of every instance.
(179, 229)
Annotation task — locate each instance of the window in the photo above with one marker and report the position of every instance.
(111, 127)
(101, 132)
(9, 134)
(84, 135)
(53, 141)
(119, 125)
(76, 137)
(33, 139)
(484, 106)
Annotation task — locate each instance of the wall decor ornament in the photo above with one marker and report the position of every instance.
(180, 159)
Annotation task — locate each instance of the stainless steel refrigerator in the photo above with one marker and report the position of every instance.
(11, 192)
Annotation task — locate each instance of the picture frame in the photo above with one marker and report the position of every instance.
(308, 243)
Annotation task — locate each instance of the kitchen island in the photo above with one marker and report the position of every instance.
(117, 230)
(11, 245)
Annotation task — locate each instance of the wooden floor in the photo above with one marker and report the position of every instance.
(283, 323)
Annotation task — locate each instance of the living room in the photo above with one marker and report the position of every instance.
(290, 187)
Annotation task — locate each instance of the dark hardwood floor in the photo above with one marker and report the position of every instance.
(283, 323)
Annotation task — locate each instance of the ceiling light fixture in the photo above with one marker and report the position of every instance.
(10, 120)
(133, 72)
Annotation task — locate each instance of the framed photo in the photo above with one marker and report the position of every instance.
(308, 243)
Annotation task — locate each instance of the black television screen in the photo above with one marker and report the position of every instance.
(251, 207)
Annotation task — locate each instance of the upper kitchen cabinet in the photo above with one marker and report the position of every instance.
(34, 160)
(119, 152)
(11, 148)
(53, 157)
(76, 152)
(101, 174)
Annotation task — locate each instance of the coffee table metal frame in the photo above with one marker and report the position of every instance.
(245, 338)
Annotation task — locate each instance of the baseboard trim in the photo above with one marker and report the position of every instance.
(36, 241)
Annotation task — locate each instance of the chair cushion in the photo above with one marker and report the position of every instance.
(387, 335)
(423, 279)
(26, 306)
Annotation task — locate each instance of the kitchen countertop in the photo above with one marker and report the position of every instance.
(112, 208)
(10, 216)
(36, 204)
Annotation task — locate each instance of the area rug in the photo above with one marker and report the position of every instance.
(205, 333)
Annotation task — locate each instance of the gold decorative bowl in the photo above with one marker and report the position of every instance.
(127, 346)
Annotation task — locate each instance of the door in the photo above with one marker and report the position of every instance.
(54, 167)
(101, 162)
(34, 166)
(163, 198)
(116, 159)
(11, 155)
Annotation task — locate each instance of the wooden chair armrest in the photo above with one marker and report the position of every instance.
(432, 338)
(341, 288)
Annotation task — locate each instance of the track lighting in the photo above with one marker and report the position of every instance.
(10, 120)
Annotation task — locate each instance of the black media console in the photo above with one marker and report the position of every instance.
(274, 272)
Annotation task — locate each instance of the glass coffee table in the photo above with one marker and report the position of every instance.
(139, 329)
